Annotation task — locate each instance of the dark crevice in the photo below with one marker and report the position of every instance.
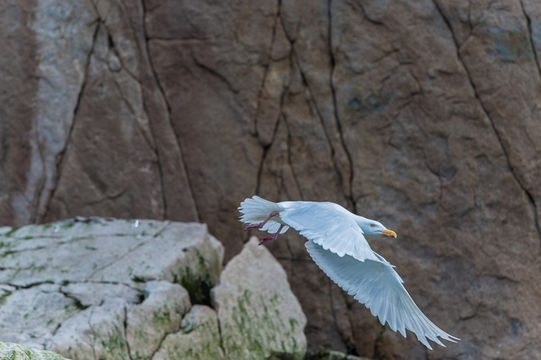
(160, 343)
(108, 197)
(60, 158)
(220, 334)
(264, 156)
(157, 152)
(78, 304)
(131, 286)
(335, 105)
(215, 73)
(368, 18)
(55, 331)
(114, 49)
(170, 120)
(275, 130)
(289, 161)
(529, 196)
(37, 201)
(31, 285)
(152, 141)
(125, 326)
(313, 104)
(283, 95)
(267, 64)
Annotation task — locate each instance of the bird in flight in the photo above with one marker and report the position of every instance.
(337, 244)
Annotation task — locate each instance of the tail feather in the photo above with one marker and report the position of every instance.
(254, 210)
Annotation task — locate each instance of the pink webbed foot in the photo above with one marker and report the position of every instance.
(272, 237)
(261, 224)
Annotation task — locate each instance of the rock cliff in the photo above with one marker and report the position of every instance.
(422, 114)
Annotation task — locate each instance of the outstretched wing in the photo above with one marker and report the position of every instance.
(328, 225)
(376, 285)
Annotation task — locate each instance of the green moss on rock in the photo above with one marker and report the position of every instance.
(253, 332)
(198, 278)
(199, 338)
(10, 351)
(115, 344)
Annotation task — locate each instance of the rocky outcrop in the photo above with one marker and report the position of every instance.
(18, 352)
(253, 298)
(422, 114)
(92, 288)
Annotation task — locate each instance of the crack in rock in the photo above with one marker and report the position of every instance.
(530, 199)
(61, 155)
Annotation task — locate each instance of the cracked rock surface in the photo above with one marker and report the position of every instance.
(95, 288)
(422, 114)
(92, 288)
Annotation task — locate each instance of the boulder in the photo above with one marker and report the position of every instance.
(103, 288)
(258, 313)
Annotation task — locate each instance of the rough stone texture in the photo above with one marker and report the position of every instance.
(162, 309)
(102, 288)
(21, 323)
(258, 314)
(18, 352)
(423, 114)
(198, 339)
(97, 332)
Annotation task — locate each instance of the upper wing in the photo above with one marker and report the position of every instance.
(379, 287)
(328, 225)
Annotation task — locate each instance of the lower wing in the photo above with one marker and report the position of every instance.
(376, 285)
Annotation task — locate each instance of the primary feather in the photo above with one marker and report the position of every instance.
(376, 285)
(337, 244)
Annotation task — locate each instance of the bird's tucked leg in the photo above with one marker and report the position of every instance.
(272, 237)
(261, 224)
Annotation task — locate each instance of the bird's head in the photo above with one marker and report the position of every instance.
(375, 228)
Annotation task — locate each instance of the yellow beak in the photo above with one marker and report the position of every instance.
(389, 233)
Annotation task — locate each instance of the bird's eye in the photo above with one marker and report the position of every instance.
(372, 225)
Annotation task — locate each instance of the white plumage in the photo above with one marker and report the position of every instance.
(337, 244)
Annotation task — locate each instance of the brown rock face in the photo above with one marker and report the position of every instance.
(422, 114)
